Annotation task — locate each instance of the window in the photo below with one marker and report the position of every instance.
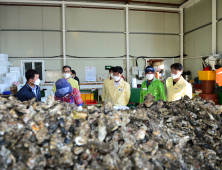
(37, 65)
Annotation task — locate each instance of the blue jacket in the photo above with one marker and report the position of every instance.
(26, 93)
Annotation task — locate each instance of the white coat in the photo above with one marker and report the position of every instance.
(180, 89)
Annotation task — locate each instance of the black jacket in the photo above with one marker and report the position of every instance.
(77, 79)
(26, 93)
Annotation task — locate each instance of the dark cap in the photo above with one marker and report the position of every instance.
(149, 68)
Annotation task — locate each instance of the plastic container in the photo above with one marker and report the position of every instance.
(213, 97)
(207, 86)
(219, 76)
(87, 97)
(7, 92)
(91, 102)
(207, 75)
(198, 91)
(197, 86)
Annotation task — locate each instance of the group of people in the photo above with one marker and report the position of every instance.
(65, 89)
(115, 88)
(176, 85)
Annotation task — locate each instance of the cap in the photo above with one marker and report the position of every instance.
(63, 87)
(149, 68)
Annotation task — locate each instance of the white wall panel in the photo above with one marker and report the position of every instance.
(153, 22)
(54, 64)
(219, 7)
(158, 45)
(189, 44)
(52, 18)
(138, 45)
(137, 21)
(76, 43)
(154, 45)
(203, 41)
(203, 12)
(31, 18)
(10, 43)
(172, 21)
(52, 44)
(76, 19)
(116, 20)
(97, 19)
(172, 47)
(189, 18)
(31, 44)
(149, 45)
(159, 22)
(10, 17)
(219, 37)
(95, 44)
(116, 45)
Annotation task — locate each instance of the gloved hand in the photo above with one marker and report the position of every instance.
(80, 108)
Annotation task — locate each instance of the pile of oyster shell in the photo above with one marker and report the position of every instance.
(185, 134)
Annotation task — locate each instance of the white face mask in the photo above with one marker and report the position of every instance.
(150, 76)
(175, 76)
(116, 78)
(66, 75)
(37, 82)
(111, 75)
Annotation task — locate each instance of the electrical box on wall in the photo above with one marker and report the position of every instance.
(134, 70)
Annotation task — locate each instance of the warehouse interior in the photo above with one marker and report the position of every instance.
(163, 112)
(101, 35)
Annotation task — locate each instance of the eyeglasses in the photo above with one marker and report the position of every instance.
(66, 71)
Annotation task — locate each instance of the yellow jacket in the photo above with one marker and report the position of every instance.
(180, 89)
(73, 83)
(120, 95)
(104, 92)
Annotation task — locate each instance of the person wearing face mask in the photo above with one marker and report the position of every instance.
(66, 70)
(105, 82)
(66, 93)
(31, 89)
(74, 76)
(176, 85)
(117, 89)
(152, 85)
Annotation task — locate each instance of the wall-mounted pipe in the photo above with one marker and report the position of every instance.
(89, 4)
(198, 28)
(90, 31)
(1, 4)
(181, 36)
(214, 27)
(154, 33)
(31, 30)
(63, 33)
(127, 42)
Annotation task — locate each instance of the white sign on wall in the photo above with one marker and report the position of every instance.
(90, 73)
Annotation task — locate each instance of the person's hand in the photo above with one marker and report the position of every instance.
(80, 108)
